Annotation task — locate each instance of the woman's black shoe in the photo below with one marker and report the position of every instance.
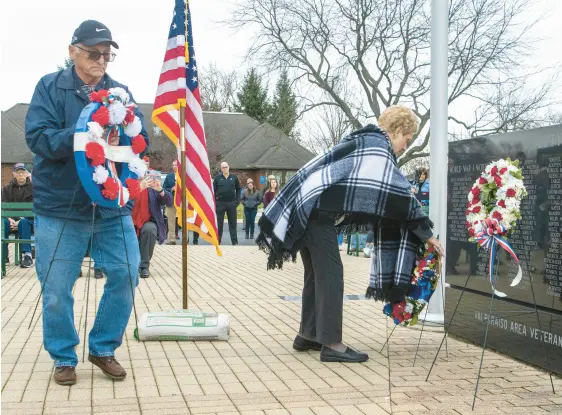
(349, 356)
(303, 345)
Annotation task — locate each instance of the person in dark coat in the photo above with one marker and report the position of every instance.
(227, 196)
(61, 203)
(19, 190)
(169, 185)
(251, 199)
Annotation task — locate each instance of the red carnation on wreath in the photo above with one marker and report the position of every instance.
(475, 191)
(138, 144)
(501, 204)
(494, 171)
(101, 116)
(98, 96)
(498, 181)
(110, 189)
(96, 153)
(130, 116)
(510, 193)
(482, 181)
(134, 188)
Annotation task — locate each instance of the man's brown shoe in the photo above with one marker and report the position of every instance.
(65, 375)
(109, 366)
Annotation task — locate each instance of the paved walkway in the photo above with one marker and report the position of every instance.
(256, 371)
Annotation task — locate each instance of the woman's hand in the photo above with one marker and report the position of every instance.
(156, 185)
(145, 183)
(433, 241)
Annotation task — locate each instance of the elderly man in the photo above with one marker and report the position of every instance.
(227, 194)
(19, 191)
(62, 206)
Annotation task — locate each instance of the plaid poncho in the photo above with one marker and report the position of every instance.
(359, 182)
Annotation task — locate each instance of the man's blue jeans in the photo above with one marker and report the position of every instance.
(25, 229)
(108, 251)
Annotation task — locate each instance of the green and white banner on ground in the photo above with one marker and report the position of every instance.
(183, 325)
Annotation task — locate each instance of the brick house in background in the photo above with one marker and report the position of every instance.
(251, 149)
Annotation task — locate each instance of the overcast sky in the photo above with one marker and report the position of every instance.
(36, 34)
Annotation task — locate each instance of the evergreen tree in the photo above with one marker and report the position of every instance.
(284, 108)
(67, 64)
(252, 100)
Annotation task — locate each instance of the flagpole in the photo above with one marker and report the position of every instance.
(184, 231)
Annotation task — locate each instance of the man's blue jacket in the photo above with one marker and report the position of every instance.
(49, 131)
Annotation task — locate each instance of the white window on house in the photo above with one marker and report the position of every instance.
(283, 176)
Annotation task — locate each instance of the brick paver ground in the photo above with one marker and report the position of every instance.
(256, 371)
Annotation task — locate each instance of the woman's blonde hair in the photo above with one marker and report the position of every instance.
(269, 183)
(399, 119)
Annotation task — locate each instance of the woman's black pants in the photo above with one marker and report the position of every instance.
(322, 295)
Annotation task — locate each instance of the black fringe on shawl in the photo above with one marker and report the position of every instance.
(275, 249)
(390, 294)
(345, 223)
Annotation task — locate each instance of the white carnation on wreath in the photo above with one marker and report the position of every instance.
(95, 131)
(409, 308)
(120, 93)
(137, 166)
(512, 168)
(100, 174)
(480, 216)
(502, 163)
(125, 194)
(509, 218)
(512, 203)
(117, 112)
(134, 128)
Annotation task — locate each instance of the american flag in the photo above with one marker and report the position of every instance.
(178, 83)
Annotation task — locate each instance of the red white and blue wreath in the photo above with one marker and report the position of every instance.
(425, 279)
(109, 173)
(494, 207)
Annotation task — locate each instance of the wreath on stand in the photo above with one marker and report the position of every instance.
(109, 173)
(494, 207)
(425, 279)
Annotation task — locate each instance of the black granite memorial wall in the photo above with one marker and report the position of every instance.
(537, 240)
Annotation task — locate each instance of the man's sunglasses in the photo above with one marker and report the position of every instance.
(95, 55)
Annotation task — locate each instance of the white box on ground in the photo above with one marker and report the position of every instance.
(187, 325)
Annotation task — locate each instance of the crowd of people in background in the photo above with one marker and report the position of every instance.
(155, 215)
(229, 195)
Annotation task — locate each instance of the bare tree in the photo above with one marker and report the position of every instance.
(218, 88)
(380, 51)
(325, 130)
(508, 107)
